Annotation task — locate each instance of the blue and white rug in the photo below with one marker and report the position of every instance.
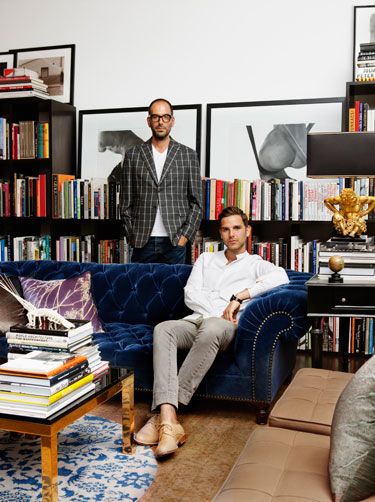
(91, 465)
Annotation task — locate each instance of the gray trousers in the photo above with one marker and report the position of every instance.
(204, 338)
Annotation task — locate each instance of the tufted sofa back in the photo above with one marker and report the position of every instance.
(131, 293)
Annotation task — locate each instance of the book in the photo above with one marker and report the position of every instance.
(20, 72)
(41, 363)
(24, 94)
(30, 398)
(46, 382)
(43, 390)
(81, 326)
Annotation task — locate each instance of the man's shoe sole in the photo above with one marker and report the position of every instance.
(181, 441)
(142, 443)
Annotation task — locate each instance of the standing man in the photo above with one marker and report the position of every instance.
(161, 192)
(218, 289)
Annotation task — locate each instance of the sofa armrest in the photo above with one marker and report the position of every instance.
(266, 342)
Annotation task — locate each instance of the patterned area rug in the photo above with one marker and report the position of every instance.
(91, 465)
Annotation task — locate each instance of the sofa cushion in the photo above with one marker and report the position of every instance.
(309, 401)
(126, 345)
(11, 310)
(279, 465)
(352, 459)
(70, 297)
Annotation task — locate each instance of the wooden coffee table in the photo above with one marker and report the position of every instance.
(115, 381)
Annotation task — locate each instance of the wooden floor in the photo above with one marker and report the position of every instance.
(217, 432)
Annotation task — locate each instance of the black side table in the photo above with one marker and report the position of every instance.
(344, 300)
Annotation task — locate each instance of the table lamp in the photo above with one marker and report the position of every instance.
(345, 155)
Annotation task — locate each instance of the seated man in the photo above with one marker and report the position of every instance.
(219, 287)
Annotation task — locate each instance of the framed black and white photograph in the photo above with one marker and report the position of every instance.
(105, 135)
(364, 42)
(54, 65)
(266, 139)
(6, 61)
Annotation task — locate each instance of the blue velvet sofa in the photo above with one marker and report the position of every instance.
(131, 299)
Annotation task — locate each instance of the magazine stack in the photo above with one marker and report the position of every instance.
(78, 340)
(41, 383)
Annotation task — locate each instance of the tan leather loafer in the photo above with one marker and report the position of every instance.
(171, 436)
(149, 434)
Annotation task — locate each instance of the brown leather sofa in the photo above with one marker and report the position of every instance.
(287, 460)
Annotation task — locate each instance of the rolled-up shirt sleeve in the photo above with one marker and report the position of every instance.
(268, 276)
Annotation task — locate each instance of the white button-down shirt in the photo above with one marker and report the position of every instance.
(214, 280)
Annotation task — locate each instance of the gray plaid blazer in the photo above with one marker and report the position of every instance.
(178, 193)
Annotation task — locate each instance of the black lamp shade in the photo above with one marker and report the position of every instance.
(343, 154)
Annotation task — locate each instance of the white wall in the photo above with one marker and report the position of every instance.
(191, 51)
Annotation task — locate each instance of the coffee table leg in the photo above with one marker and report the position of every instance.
(49, 468)
(128, 415)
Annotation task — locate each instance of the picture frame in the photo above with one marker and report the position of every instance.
(55, 65)
(104, 135)
(364, 33)
(266, 139)
(7, 60)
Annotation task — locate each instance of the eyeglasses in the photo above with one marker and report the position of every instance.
(165, 118)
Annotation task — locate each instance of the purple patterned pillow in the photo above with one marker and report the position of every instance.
(70, 297)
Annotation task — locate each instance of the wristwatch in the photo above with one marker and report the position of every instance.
(235, 298)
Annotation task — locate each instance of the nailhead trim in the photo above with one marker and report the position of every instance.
(258, 332)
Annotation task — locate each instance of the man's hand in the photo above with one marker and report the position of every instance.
(230, 313)
(182, 241)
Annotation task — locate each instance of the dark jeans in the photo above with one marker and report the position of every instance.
(159, 250)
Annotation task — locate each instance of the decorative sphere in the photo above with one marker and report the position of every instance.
(336, 263)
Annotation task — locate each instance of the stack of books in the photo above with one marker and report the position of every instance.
(41, 383)
(78, 340)
(22, 82)
(358, 256)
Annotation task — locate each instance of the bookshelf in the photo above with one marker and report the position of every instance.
(33, 176)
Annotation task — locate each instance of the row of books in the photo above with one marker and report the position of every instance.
(26, 140)
(48, 369)
(71, 198)
(94, 198)
(85, 249)
(29, 195)
(361, 336)
(22, 82)
(271, 200)
(295, 254)
(361, 117)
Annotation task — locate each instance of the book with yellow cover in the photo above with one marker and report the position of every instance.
(17, 397)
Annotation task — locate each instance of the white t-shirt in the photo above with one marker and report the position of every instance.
(158, 229)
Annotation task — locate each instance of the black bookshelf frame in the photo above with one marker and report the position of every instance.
(132, 118)
(211, 107)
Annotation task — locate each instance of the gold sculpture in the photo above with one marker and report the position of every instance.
(348, 219)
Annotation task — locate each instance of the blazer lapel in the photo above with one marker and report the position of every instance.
(146, 152)
(172, 151)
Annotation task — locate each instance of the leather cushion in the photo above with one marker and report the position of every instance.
(11, 310)
(352, 460)
(70, 297)
(309, 401)
(279, 465)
